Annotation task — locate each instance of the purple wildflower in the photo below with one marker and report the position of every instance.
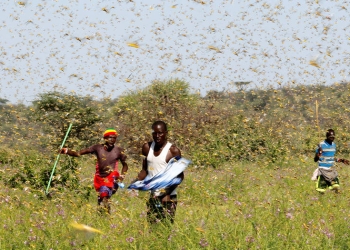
(247, 216)
(130, 239)
(328, 233)
(203, 243)
(289, 215)
(249, 239)
(238, 203)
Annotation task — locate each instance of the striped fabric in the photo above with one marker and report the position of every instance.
(163, 179)
(110, 131)
(328, 152)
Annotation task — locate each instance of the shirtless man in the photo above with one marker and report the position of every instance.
(107, 175)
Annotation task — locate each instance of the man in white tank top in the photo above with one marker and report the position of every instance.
(162, 203)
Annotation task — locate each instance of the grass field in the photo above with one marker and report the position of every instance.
(238, 206)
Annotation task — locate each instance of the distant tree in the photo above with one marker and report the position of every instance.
(56, 111)
(241, 86)
(169, 101)
(257, 99)
(3, 101)
(214, 94)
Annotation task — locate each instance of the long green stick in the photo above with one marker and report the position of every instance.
(58, 157)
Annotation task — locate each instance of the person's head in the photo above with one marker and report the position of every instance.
(159, 132)
(110, 136)
(330, 135)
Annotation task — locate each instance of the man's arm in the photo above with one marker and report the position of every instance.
(345, 161)
(125, 165)
(143, 173)
(174, 151)
(73, 153)
(316, 158)
(318, 154)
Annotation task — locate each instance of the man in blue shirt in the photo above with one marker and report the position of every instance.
(327, 175)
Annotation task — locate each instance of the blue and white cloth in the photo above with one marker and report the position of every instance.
(164, 179)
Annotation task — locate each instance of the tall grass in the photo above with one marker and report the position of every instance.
(249, 185)
(236, 206)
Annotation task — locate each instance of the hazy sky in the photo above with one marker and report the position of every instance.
(88, 47)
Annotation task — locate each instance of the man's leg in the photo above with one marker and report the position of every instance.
(154, 210)
(115, 187)
(104, 199)
(335, 184)
(170, 208)
(321, 184)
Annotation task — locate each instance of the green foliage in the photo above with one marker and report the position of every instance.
(6, 156)
(56, 111)
(3, 101)
(258, 125)
(252, 125)
(235, 206)
(136, 111)
(32, 170)
(251, 151)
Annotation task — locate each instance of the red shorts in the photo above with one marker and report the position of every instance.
(107, 181)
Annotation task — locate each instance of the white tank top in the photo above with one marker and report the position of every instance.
(156, 164)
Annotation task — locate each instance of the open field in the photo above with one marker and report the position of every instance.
(242, 206)
(249, 186)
